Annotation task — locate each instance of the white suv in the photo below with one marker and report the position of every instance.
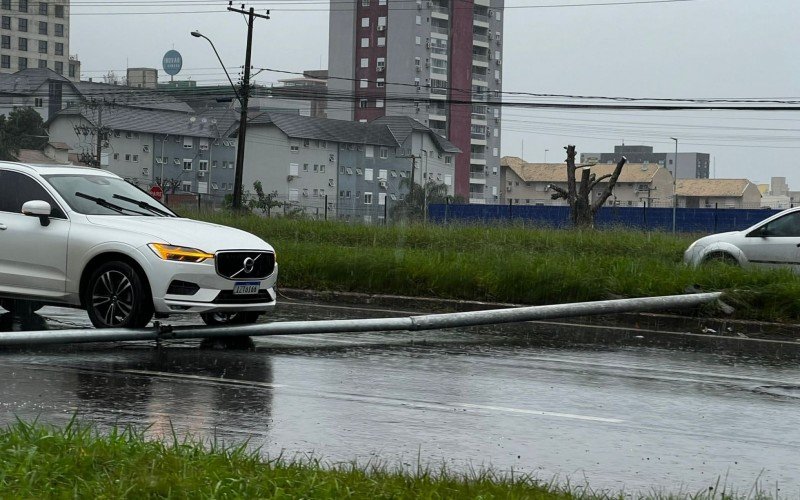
(86, 238)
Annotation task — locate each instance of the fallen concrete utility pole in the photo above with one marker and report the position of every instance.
(410, 323)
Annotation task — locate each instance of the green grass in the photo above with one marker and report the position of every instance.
(78, 462)
(508, 264)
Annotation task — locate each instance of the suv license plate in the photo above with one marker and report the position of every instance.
(246, 287)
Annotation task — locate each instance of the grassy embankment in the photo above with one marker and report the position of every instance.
(508, 264)
(77, 462)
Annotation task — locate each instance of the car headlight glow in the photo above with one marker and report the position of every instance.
(181, 254)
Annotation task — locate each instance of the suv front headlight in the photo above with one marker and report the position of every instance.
(180, 254)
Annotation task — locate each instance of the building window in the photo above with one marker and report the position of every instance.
(22, 63)
(188, 143)
(367, 198)
(186, 186)
(417, 63)
(381, 2)
(38, 102)
(22, 44)
(72, 71)
(365, 22)
(365, 62)
(116, 156)
(365, 3)
(59, 30)
(305, 167)
(59, 49)
(60, 11)
(448, 160)
(43, 46)
(306, 143)
(381, 22)
(127, 157)
(42, 28)
(384, 154)
(380, 64)
(418, 40)
(43, 63)
(365, 42)
(43, 8)
(418, 20)
(23, 25)
(202, 166)
(5, 61)
(362, 103)
(380, 83)
(381, 41)
(294, 149)
(5, 42)
(187, 163)
(23, 5)
(6, 4)
(135, 158)
(6, 23)
(379, 103)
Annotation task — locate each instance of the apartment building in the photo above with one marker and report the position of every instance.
(351, 170)
(436, 61)
(35, 34)
(193, 153)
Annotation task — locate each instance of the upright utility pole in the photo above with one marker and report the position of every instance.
(245, 95)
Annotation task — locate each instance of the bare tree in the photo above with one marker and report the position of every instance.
(582, 210)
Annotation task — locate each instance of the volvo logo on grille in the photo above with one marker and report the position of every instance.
(249, 264)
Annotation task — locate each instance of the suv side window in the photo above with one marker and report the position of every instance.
(17, 188)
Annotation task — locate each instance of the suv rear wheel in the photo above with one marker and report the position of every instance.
(236, 318)
(116, 297)
(20, 307)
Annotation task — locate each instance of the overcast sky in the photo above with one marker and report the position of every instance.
(681, 49)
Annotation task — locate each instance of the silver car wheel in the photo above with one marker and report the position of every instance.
(112, 297)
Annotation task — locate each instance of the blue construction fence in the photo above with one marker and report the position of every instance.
(687, 220)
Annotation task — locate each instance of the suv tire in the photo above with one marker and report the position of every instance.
(116, 297)
(236, 318)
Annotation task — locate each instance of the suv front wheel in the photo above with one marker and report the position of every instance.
(116, 297)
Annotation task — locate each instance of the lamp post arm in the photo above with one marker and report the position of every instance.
(236, 93)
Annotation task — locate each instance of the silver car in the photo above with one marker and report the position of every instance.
(774, 242)
(86, 238)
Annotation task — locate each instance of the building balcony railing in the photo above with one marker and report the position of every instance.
(480, 58)
(477, 175)
(478, 135)
(439, 50)
(480, 38)
(483, 97)
(480, 17)
(440, 30)
(480, 78)
(477, 156)
(440, 10)
(478, 117)
(438, 91)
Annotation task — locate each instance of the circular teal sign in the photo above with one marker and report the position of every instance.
(172, 63)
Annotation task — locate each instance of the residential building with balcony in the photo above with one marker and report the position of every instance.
(35, 34)
(438, 62)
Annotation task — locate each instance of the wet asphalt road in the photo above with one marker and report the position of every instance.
(634, 418)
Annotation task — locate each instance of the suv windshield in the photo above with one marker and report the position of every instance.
(117, 197)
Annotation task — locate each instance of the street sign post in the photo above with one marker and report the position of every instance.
(156, 192)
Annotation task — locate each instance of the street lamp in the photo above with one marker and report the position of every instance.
(243, 100)
(197, 34)
(675, 184)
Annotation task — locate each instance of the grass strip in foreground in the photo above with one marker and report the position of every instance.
(77, 461)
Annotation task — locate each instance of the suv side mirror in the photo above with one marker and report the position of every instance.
(38, 208)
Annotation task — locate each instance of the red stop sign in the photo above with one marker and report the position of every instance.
(156, 192)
